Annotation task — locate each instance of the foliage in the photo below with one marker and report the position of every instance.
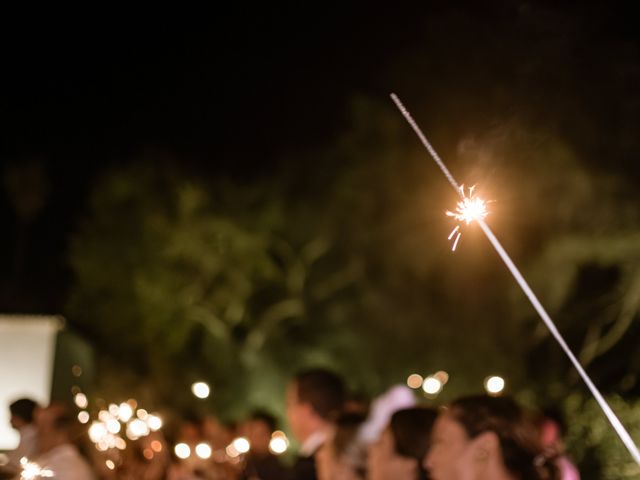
(593, 443)
(178, 279)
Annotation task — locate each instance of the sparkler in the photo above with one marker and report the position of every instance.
(470, 208)
(31, 470)
(611, 416)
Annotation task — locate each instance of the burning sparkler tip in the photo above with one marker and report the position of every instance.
(470, 208)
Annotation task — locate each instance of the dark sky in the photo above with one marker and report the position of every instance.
(230, 80)
(231, 91)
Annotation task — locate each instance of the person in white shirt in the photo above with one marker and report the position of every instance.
(58, 453)
(21, 419)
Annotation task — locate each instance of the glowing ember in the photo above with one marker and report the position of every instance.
(470, 208)
(32, 470)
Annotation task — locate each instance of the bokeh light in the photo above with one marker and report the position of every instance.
(102, 445)
(494, 385)
(125, 412)
(154, 422)
(182, 450)
(136, 428)
(200, 389)
(278, 445)
(114, 409)
(231, 451)
(203, 451)
(80, 400)
(431, 385)
(241, 444)
(442, 376)
(113, 426)
(414, 380)
(31, 470)
(97, 431)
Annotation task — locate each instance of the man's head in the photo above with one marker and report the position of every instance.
(314, 398)
(22, 412)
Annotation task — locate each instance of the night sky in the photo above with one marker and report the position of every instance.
(233, 92)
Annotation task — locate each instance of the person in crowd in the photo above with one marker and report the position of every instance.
(58, 438)
(194, 430)
(217, 433)
(396, 397)
(145, 458)
(21, 418)
(402, 446)
(260, 462)
(552, 431)
(314, 398)
(481, 437)
(343, 455)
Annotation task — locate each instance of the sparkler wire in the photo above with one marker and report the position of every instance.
(427, 145)
(611, 416)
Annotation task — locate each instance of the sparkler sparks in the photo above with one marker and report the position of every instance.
(470, 208)
(113, 424)
(622, 433)
(31, 470)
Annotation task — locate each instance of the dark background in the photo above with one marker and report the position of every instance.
(231, 91)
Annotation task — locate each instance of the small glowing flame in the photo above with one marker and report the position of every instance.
(470, 208)
(31, 470)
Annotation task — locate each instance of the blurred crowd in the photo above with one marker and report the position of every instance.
(339, 437)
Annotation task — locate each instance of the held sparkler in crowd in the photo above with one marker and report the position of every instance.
(467, 213)
(31, 470)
